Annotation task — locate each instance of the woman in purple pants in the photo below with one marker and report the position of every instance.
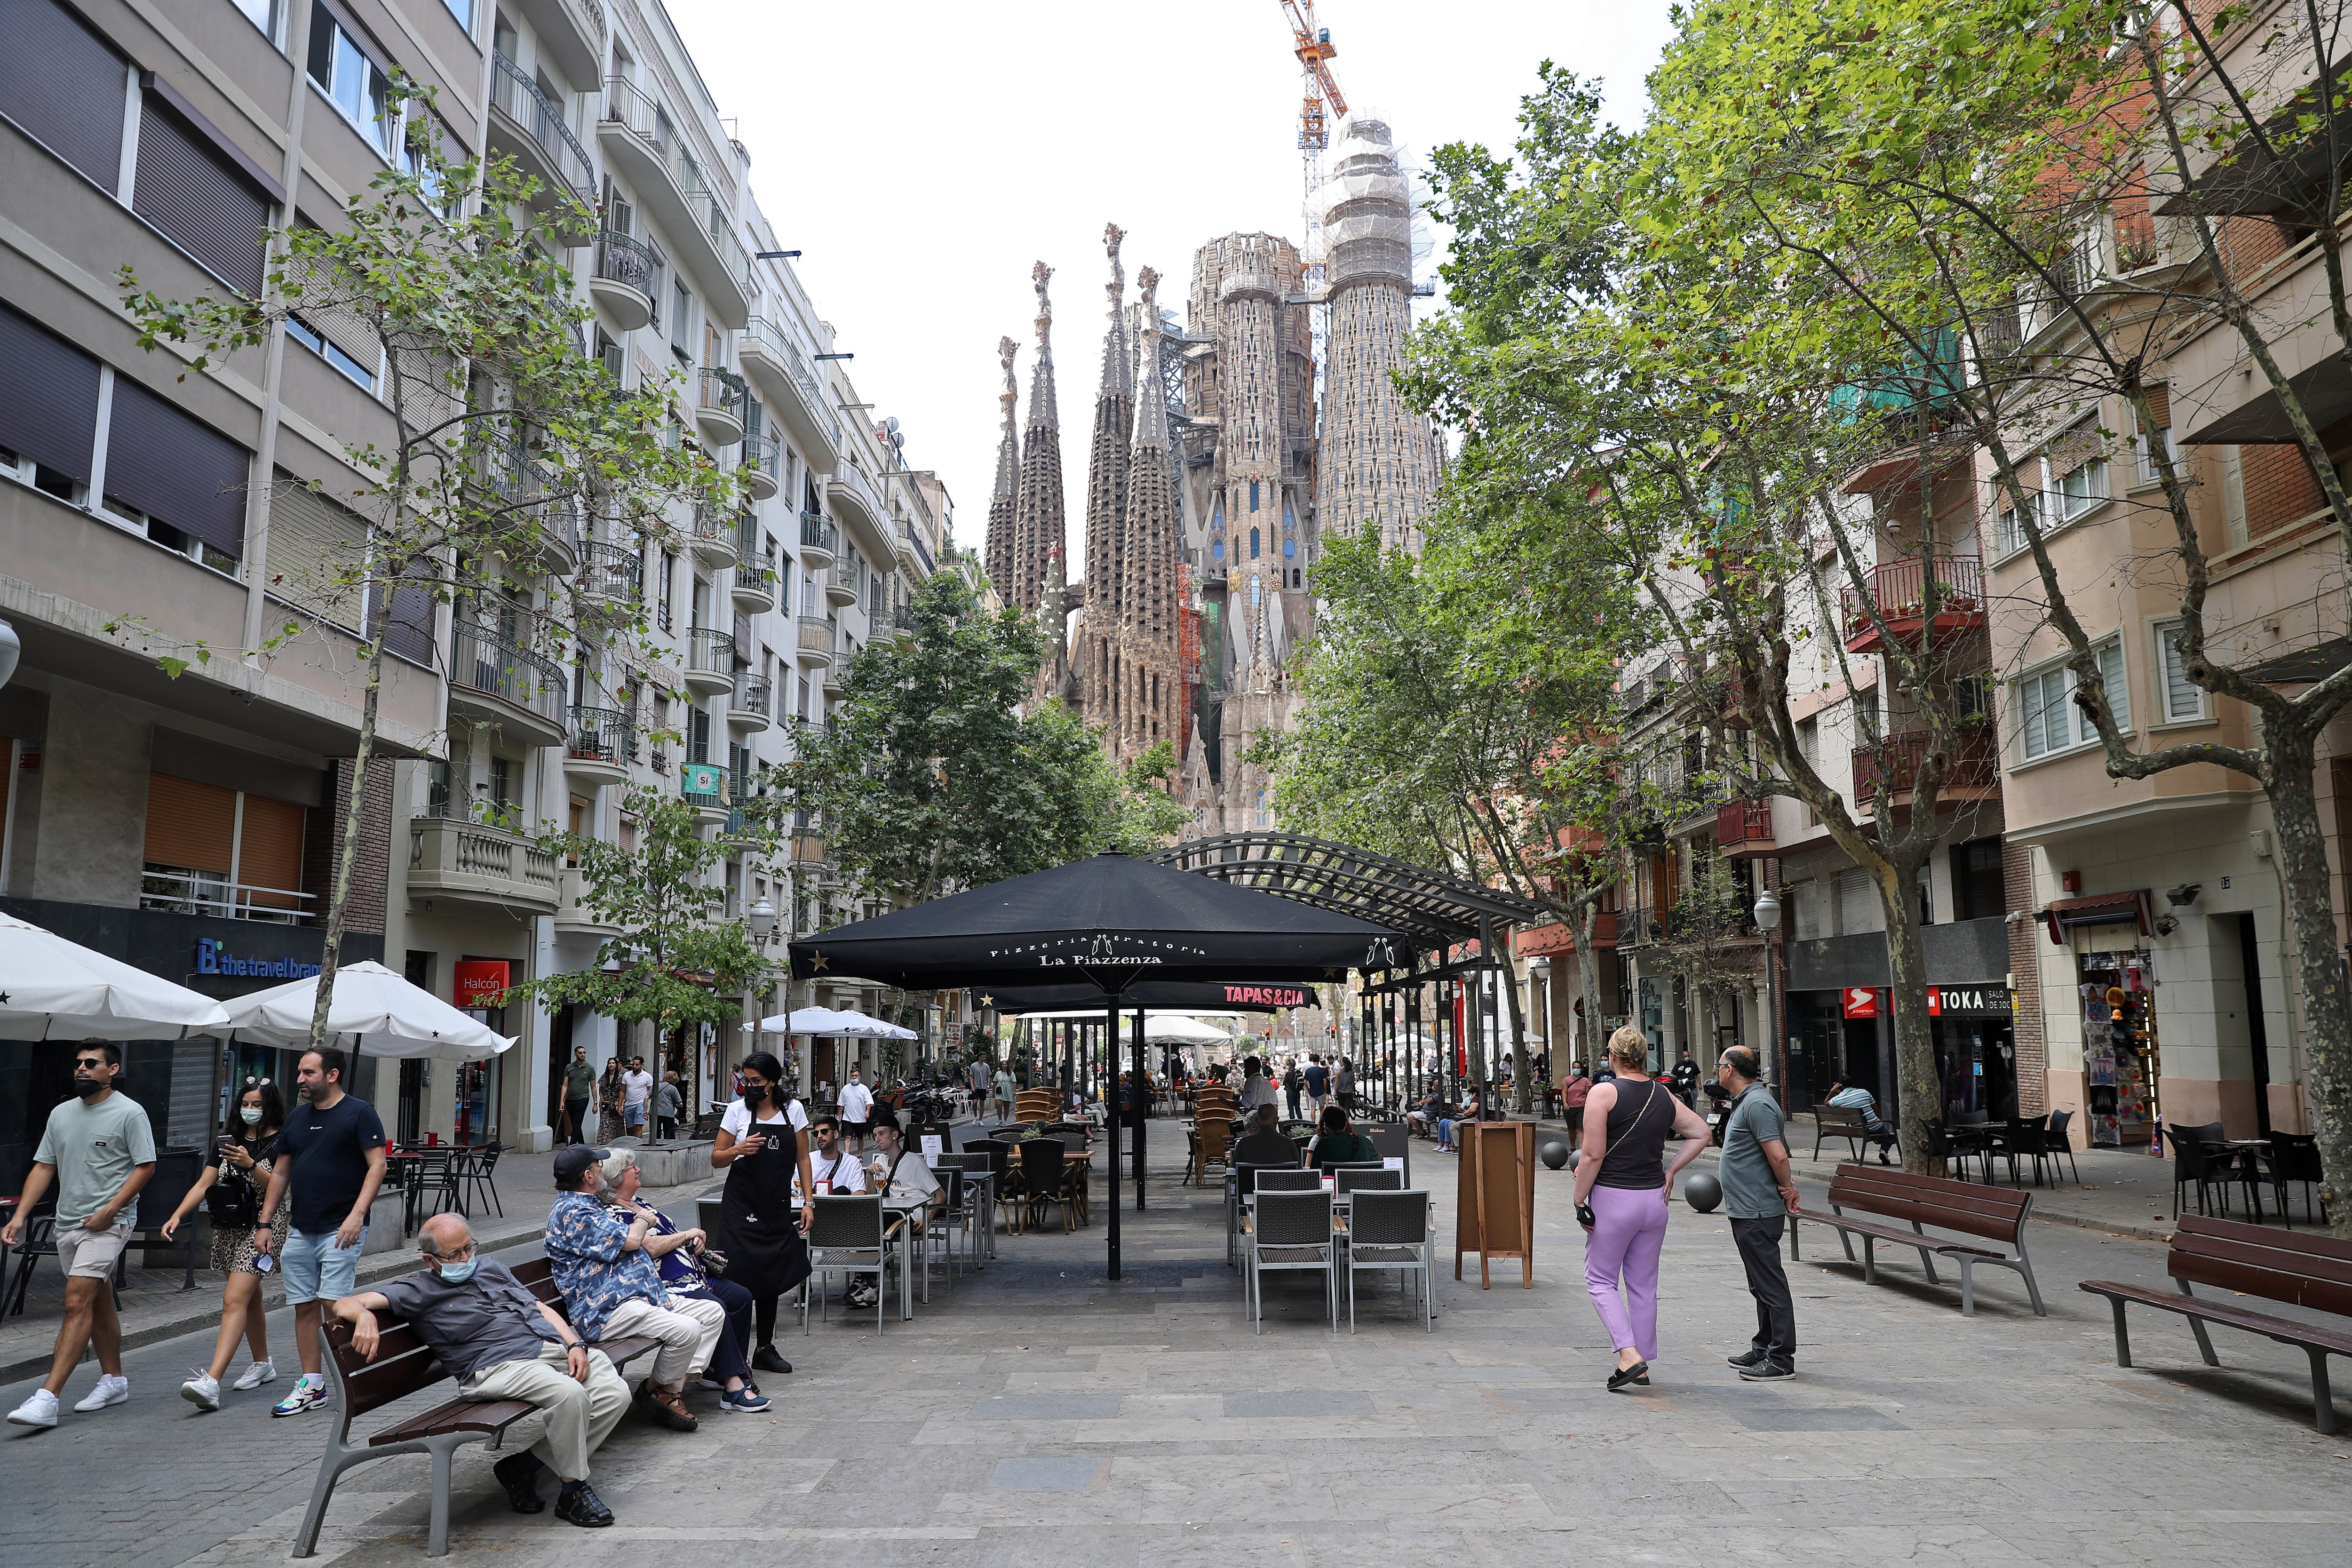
(1622, 1186)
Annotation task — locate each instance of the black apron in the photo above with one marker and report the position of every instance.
(766, 1254)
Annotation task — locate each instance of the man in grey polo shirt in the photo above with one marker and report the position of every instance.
(499, 1342)
(1759, 1193)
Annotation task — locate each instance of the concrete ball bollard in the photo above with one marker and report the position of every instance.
(1702, 1192)
(1554, 1154)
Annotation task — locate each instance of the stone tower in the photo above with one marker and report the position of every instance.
(1107, 480)
(1002, 498)
(1149, 679)
(1038, 504)
(1378, 454)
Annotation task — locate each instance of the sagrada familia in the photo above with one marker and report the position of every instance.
(1213, 477)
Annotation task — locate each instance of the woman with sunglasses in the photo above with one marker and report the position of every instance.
(760, 1150)
(232, 1184)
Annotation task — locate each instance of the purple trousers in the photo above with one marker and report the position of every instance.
(1626, 1242)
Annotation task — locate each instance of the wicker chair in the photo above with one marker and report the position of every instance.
(852, 1234)
(1045, 1169)
(1292, 1234)
(1389, 1230)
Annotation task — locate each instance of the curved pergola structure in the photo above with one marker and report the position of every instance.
(1436, 909)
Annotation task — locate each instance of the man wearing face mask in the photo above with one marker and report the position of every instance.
(500, 1342)
(100, 1149)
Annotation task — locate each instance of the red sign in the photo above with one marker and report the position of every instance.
(1270, 995)
(480, 982)
(1860, 1002)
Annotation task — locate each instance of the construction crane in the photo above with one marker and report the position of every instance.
(1313, 45)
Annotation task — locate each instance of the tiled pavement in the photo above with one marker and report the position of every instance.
(1036, 1414)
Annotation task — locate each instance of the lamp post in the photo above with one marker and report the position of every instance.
(1767, 921)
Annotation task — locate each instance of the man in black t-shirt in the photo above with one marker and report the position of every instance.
(332, 1154)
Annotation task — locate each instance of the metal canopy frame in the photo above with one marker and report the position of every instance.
(1436, 910)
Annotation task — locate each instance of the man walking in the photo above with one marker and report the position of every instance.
(100, 1149)
(331, 1153)
(1759, 1193)
(1319, 1087)
(1005, 1089)
(579, 1088)
(636, 1093)
(1293, 1081)
(856, 1110)
(1686, 1080)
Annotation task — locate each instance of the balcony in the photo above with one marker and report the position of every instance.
(795, 392)
(749, 708)
(1895, 763)
(1900, 589)
(623, 282)
(572, 915)
(910, 545)
(820, 541)
(840, 590)
(815, 649)
(753, 591)
(609, 578)
(703, 785)
(1640, 926)
(720, 406)
(763, 465)
(187, 892)
(900, 622)
(651, 153)
(850, 497)
(602, 740)
(497, 681)
(1743, 828)
(528, 127)
(571, 38)
(711, 536)
(476, 863)
(709, 669)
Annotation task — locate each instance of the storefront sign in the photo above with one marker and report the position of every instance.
(480, 982)
(1860, 1002)
(1270, 995)
(213, 957)
(1989, 1000)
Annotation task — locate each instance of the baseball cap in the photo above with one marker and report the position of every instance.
(571, 1159)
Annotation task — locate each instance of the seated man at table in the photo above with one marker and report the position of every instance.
(1854, 1097)
(903, 1173)
(1472, 1110)
(1338, 1143)
(1423, 1118)
(499, 1342)
(605, 1264)
(1265, 1142)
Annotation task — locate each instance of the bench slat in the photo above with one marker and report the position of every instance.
(2215, 1312)
(2232, 1255)
(2001, 1220)
(1972, 1196)
(486, 1416)
(2301, 1244)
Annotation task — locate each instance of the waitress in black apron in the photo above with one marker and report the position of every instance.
(759, 1150)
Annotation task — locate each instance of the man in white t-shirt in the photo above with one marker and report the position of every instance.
(829, 1162)
(856, 1110)
(636, 1092)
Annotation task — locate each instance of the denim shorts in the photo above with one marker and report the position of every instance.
(315, 1269)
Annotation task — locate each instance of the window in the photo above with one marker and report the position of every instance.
(2049, 722)
(1978, 891)
(264, 14)
(668, 574)
(64, 84)
(302, 332)
(1253, 543)
(2144, 472)
(2081, 487)
(217, 851)
(2183, 700)
(183, 480)
(1254, 501)
(352, 81)
(198, 196)
(49, 408)
(461, 9)
(681, 319)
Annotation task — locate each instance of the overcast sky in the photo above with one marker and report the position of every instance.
(925, 154)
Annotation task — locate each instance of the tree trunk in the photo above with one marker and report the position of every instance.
(1914, 1047)
(2310, 912)
(1588, 981)
(338, 896)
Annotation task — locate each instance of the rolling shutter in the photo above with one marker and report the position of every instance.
(409, 632)
(49, 396)
(269, 852)
(190, 824)
(175, 469)
(198, 197)
(63, 84)
(317, 552)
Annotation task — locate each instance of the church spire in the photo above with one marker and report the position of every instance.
(1150, 686)
(1037, 509)
(1107, 464)
(1008, 476)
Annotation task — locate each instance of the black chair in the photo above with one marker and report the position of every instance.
(1942, 1147)
(430, 1177)
(2194, 1159)
(2018, 1136)
(40, 1241)
(1361, 1178)
(1289, 1179)
(2055, 1146)
(1044, 1164)
(2294, 1157)
(477, 1172)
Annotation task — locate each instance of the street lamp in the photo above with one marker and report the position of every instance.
(762, 922)
(10, 648)
(1767, 921)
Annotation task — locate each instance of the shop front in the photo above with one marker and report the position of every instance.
(2108, 937)
(1842, 1017)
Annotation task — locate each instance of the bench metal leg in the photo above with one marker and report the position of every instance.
(2204, 1342)
(1967, 1285)
(437, 1544)
(2033, 1290)
(1869, 1259)
(2123, 1333)
(2322, 1400)
(1927, 1262)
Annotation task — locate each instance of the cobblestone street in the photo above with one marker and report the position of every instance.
(1035, 1414)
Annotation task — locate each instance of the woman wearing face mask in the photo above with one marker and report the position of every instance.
(760, 1150)
(233, 1183)
(609, 1090)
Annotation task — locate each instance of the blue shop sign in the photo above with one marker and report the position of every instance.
(215, 958)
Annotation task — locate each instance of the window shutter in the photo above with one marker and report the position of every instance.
(49, 396)
(317, 551)
(190, 824)
(2183, 698)
(198, 197)
(269, 851)
(2111, 669)
(174, 470)
(409, 632)
(2160, 403)
(64, 84)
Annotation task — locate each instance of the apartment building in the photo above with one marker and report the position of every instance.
(2166, 988)
(185, 824)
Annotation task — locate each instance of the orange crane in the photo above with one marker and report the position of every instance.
(1312, 43)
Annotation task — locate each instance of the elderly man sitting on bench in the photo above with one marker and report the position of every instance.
(499, 1342)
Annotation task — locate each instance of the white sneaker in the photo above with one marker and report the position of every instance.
(110, 1391)
(256, 1374)
(201, 1390)
(40, 1410)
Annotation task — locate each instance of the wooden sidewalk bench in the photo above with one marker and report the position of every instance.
(2301, 1268)
(1992, 1213)
(1841, 1121)
(403, 1365)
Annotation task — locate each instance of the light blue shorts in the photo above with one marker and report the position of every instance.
(315, 1269)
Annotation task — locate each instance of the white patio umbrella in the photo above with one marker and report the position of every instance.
(1176, 1029)
(52, 989)
(865, 1026)
(373, 1012)
(800, 1021)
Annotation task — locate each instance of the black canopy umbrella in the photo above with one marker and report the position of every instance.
(1108, 923)
(1187, 995)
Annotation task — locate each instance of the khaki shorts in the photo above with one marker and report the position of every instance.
(90, 1254)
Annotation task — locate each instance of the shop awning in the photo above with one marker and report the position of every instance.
(2097, 909)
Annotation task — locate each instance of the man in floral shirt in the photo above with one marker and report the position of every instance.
(605, 1265)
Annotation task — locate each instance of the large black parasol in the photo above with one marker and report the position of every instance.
(1186, 995)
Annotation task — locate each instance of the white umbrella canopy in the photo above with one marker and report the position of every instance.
(868, 1028)
(52, 989)
(1176, 1029)
(802, 1020)
(373, 1011)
